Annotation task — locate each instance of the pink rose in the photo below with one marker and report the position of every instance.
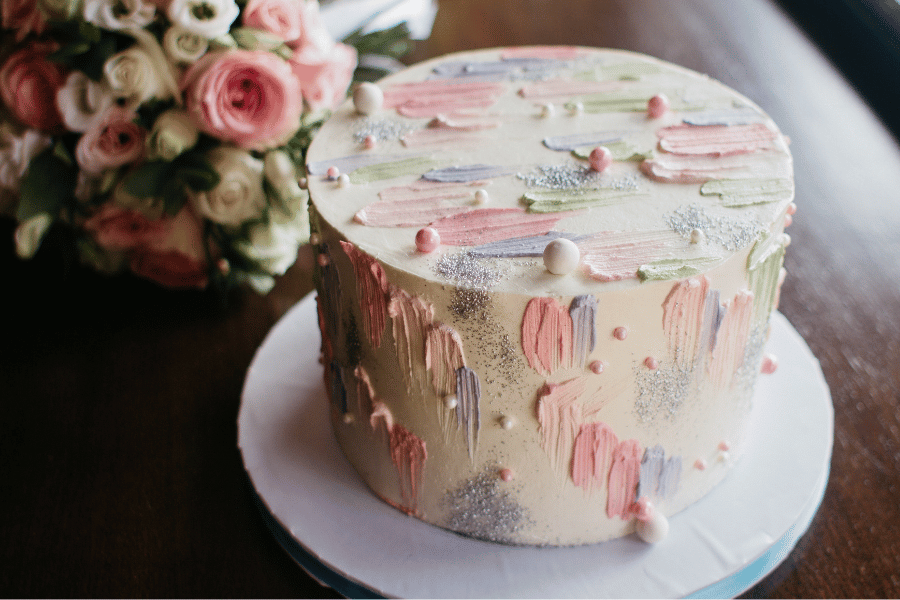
(283, 18)
(117, 228)
(249, 98)
(23, 16)
(313, 33)
(28, 86)
(114, 140)
(177, 257)
(324, 77)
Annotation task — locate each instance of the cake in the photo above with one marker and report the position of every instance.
(544, 278)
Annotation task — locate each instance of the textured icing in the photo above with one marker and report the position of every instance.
(549, 404)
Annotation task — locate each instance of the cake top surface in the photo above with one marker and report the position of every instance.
(494, 154)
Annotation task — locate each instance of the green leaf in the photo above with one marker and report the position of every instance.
(46, 185)
(196, 172)
(149, 179)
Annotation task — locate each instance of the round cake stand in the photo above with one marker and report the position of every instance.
(335, 528)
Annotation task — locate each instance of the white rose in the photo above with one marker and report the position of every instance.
(183, 46)
(173, 132)
(274, 245)
(141, 72)
(16, 153)
(29, 234)
(119, 14)
(282, 174)
(239, 196)
(208, 18)
(81, 100)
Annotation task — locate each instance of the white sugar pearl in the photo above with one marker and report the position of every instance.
(450, 401)
(368, 98)
(481, 197)
(507, 422)
(697, 236)
(653, 530)
(547, 110)
(561, 256)
(343, 180)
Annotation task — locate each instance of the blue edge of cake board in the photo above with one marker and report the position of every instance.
(729, 587)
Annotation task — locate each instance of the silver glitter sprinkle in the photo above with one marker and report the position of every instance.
(728, 232)
(573, 176)
(479, 508)
(382, 130)
(662, 391)
(463, 269)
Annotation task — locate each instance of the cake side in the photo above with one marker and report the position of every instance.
(475, 389)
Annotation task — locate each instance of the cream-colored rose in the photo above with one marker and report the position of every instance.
(209, 18)
(81, 100)
(274, 245)
(16, 153)
(119, 14)
(141, 72)
(183, 46)
(29, 234)
(173, 133)
(282, 174)
(239, 196)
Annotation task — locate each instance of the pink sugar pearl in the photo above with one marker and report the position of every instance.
(657, 106)
(620, 333)
(427, 239)
(333, 173)
(769, 364)
(506, 474)
(600, 158)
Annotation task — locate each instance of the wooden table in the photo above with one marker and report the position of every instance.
(118, 437)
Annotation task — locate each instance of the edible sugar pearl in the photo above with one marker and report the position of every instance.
(427, 239)
(769, 364)
(343, 180)
(724, 446)
(315, 239)
(547, 110)
(657, 106)
(700, 464)
(576, 108)
(303, 182)
(348, 418)
(481, 197)
(620, 333)
(561, 256)
(332, 173)
(369, 142)
(506, 474)
(643, 509)
(322, 259)
(654, 529)
(600, 158)
(697, 236)
(450, 401)
(792, 209)
(368, 98)
(596, 367)
(651, 363)
(506, 422)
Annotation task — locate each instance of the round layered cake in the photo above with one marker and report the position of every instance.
(544, 278)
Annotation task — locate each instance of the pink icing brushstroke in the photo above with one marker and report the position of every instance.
(559, 415)
(486, 225)
(432, 98)
(408, 454)
(372, 286)
(612, 255)
(593, 455)
(547, 335)
(683, 311)
(624, 475)
(676, 168)
(731, 340)
(548, 52)
(410, 317)
(365, 393)
(418, 204)
(443, 356)
(716, 140)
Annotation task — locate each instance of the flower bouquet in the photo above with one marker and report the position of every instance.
(167, 135)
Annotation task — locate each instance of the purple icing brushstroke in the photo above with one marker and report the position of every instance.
(529, 246)
(467, 173)
(583, 311)
(567, 143)
(468, 397)
(659, 477)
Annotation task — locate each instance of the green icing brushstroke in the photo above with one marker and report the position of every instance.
(736, 193)
(632, 101)
(675, 268)
(764, 266)
(547, 202)
(621, 151)
(629, 70)
(389, 170)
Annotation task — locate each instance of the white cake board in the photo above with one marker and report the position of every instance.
(333, 526)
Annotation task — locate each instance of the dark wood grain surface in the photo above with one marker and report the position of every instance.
(118, 437)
